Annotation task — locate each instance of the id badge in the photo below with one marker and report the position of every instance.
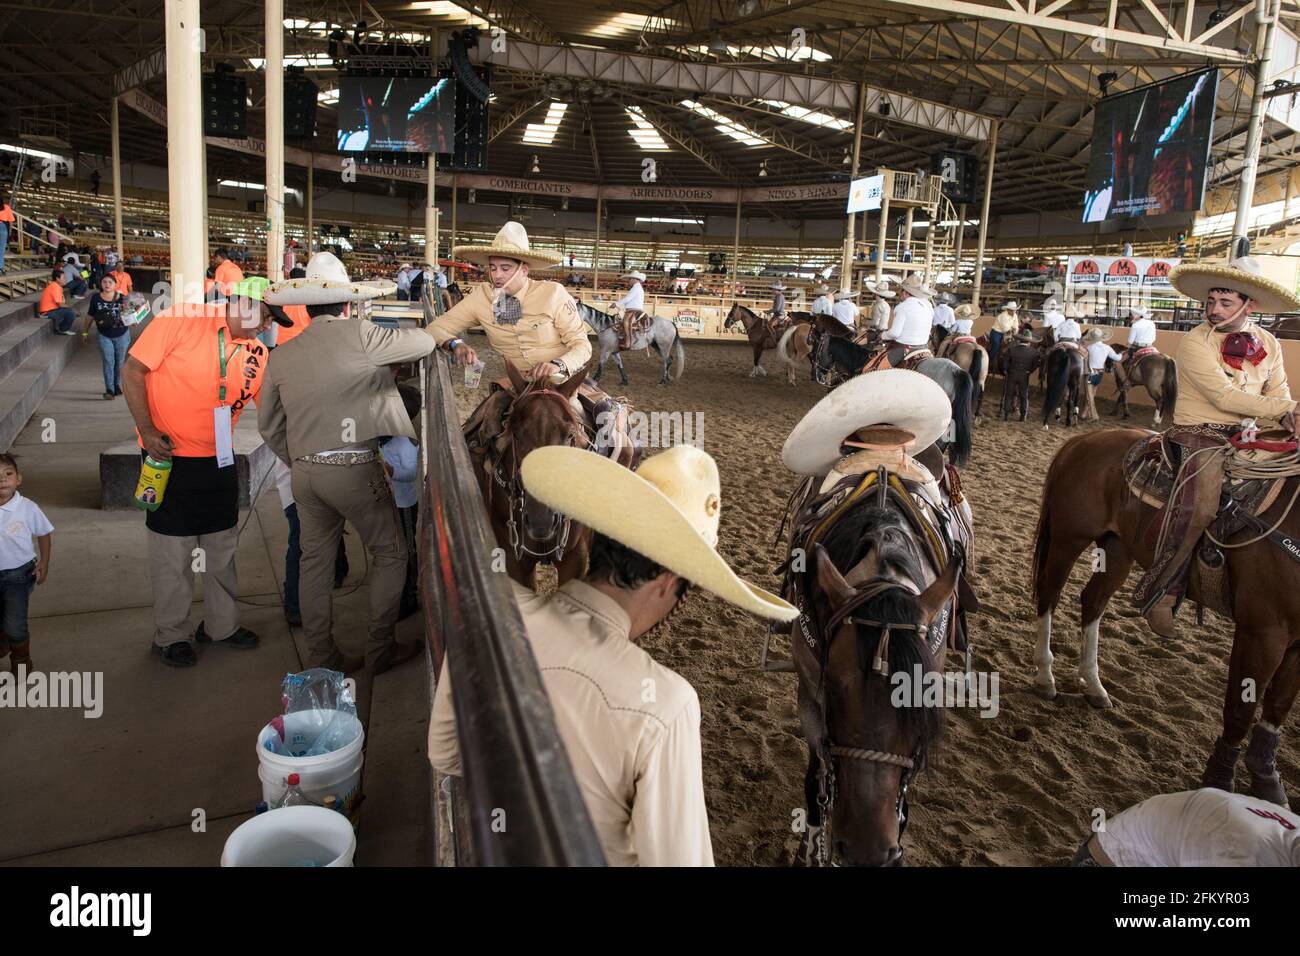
(224, 430)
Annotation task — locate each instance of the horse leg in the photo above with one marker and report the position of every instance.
(600, 368)
(1157, 396)
(665, 378)
(1049, 583)
(758, 368)
(622, 373)
(1261, 755)
(1108, 578)
(1256, 655)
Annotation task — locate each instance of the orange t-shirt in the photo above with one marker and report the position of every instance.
(181, 353)
(124, 283)
(6, 213)
(226, 275)
(300, 322)
(51, 298)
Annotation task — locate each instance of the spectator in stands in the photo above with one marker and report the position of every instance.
(7, 219)
(336, 372)
(22, 566)
(51, 305)
(186, 357)
(225, 273)
(106, 313)
(636, 756)
(76, 284)
(125, 285)
(94, 181)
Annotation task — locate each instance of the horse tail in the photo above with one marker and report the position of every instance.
(963, 405)
(680, 354)
(1058, 380)
(977, 368)
(1169, 394)
(780, 346)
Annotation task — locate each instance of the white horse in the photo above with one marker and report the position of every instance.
(662, 337)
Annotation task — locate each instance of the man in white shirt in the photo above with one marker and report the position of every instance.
(630, 726)
(943, 320)
(822, 305)
(881, 313)
(1141, 331)
(963, 319)
(1099, 352)
(632, 304)
(1207, 827)
(1052, 317)
(778, 301)
(403, 283)
(913, 319)
(845, 310)
(1068, 329)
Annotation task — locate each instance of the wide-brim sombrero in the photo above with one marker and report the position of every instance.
(326, 283)
(667, 510)
(510, 242)
(1244, 275)
(1098, 333)
(904, 400)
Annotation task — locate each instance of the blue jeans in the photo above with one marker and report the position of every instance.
(78, 286)
(63, 318)
(15, 589)
(995, 345)
(114, 352)
(4, 243)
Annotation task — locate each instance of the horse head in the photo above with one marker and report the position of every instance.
(540, 415)
(871, 737)
(736, 314)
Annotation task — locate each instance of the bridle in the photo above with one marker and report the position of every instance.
(827, 749)
(561, 524)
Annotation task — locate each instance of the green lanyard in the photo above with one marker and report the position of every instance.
(221, 345)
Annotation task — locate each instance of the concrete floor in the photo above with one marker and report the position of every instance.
(123, 789)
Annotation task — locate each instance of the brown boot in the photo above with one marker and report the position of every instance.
(392, 655)
(1222, 766)
(1261, 761)
(1160, 617)
(20, 654)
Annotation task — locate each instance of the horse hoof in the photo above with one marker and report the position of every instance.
(1098, 701)
(1045, 691)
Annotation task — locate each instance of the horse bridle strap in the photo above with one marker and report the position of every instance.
(878, 756)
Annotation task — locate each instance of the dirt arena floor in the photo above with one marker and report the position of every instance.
(1017, 789)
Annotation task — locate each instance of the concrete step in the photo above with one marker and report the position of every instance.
(19, 341)
(31, 358)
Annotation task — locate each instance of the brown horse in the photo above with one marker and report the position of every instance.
(1086, 503)
(528, 532)
(972, 357)
(869, 600)
(795, 348)
(761, 332)
(1157, 373)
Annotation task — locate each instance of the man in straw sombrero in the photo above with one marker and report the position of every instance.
(531, 323)
(1097, 344)
(778, 302)
(908, 336)
(1006, 323)
(845, 310)
(632, 304)
(631, 726)
(328, 396)
(1229, 370)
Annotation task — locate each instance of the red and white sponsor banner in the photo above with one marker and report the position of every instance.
(1117, 272)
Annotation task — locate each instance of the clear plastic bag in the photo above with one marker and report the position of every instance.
(323, 703)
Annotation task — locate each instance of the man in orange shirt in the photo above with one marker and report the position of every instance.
(124, 283)
(8, 221)
(51, 305)
(186, 380)
(224, 272)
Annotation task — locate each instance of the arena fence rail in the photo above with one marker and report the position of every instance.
(518, 803)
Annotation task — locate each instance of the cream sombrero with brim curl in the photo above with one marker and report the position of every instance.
(1244, 275)
(1098, 333)
(326, 283)
(965, 311)
(638, 276)
(510, 242)
(914, 286)
(880, 289)
(667, 510)
(894, 406)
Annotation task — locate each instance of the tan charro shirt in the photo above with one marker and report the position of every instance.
(1211, 390)
(549, 328)
(630, 726)
(1007, 322)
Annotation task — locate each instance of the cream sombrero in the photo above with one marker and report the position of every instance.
(1244, 275)
(1098, 333)
(326, 283)
(638, 276)
(880, 289)
(510, 242)
(840, 296)
(913, 285)
(822, 289)
(1075, 310)
(667, 510)
(897, 406)
(965, 311)
(1012, 306)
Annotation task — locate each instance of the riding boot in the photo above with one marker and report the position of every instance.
(1261, 761)
(1161, 616)
(1222, 766)
(20, 654)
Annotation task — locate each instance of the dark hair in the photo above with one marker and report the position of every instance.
(623, 567)
(221, 251)
(328, 308)
(1243, 295)
(10, 460)
(297, 272)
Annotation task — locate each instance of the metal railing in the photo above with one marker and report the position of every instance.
(518, 803)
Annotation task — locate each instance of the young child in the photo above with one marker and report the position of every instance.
(21, 520)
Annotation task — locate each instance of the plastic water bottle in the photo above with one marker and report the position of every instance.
(152, 485)
(293, 796)
(474, 373)
(260, 808)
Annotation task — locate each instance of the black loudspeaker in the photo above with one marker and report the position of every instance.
(225, 99)
(470, 150)
(299, 107)
(960, 174)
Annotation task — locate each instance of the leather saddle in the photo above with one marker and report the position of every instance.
(641, 322)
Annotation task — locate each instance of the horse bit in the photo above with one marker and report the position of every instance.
(560, 523)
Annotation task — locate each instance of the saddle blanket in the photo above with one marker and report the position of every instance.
(963, 339)
(1144, 352)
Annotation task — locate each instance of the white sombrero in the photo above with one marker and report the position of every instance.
(1075, 310)
(667, 510)
(880, 289)
(899, 406)
(1051, 305)
(965, 311)
(1138, 312)
(821, 289)
(326, 283)
(510, 242)
(913, 285)
(778, 287)
(1098, 333)
(638, 276)
(1195, 280)
(1012, 306)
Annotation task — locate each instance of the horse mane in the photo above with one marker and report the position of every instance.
(847, 354)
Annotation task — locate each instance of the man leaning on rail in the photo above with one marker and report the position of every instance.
(630, 726)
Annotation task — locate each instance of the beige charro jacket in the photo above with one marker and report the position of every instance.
(630, 726)
(1212, 391)
(331, 386)
(550, 327)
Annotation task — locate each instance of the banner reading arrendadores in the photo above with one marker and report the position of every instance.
(1117, 272)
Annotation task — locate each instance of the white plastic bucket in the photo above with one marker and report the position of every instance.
(337, 772)
(292, 836)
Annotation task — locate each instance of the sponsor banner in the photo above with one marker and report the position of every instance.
(142, 102)
(670, 193)
(864, 194)
(804, 193)
(1111, 272)
(523, 184)
(688, 320)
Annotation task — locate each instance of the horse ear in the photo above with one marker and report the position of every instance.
(516, 378)
(933, 598)
(829, 578)
(568, 388)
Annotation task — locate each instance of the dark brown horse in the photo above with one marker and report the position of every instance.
(761, 332)
(528, 532)
(1157, 374)
(1087, 503)
(870, 597)
(1066, 367)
